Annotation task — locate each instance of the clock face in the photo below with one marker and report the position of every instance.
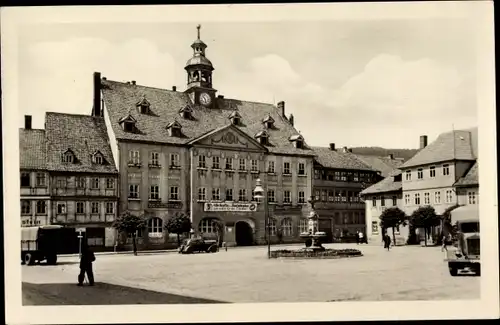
(205, 99)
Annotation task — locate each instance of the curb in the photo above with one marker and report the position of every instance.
(152, 252)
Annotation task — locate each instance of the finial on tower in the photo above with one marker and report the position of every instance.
(198, 28)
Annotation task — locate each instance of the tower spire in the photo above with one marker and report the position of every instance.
(198, 28)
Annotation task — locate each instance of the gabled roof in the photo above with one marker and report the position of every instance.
(119, 97)
(385, 165)
(235, 114)
(340, 160)
(262, 133)
(296, 137)
(388, 184)
(143, 102)
(268, 118)
(454, 145)
(471, 178)
(83, 135)
(128, 118)
(32, 149)
(174, 124)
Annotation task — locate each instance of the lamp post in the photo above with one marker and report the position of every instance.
(261, 194)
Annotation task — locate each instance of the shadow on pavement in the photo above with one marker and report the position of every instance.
(100, 294)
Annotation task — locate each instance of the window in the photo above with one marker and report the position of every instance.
(432, 171)
(337, 176)
(110, 183)
(94, 183)
(253, 196)
(133, 191)
(317, 194)
(286, 227)
(98, 159)
(374, 201)
(394, 201)
(272, 226)
(202, 162)
(271, 196)
(67, 157)
(299, 144)
(216, 162)
(61, 182)
(155, 227)
(302, 197)
(324, 194)
(242, 164)
(95, 207)
(286, 197)
(138, 234)
(417, 198)
(472, 197)
(40, 179)
(407, 199)
(229, 194)
(25, 179)
(420, 173)
(286, 168)
(155, 159)
(255, 165)
(316, 174)
(446, 170)
(128, 127)
(202, 194)
(206, 226)
(303, 226)
(174, 160)
(216, 194)
(229, 163)
(80, 207)
(174, 193)
(41, 207)
(154, 192)
(242, 196)
(110, 208)
(343, 195)
(25, 207)
(349, 196)
(270, 167)
(331, 196)
(437, 197)
(427, 199)
(338, 197)
(374, 227)
(343, 176)
(61, 208)
(449, 196)
(134, 157)
(382, 201)
(80, 182)
(408, 175)
(302, 169)
(355, 177)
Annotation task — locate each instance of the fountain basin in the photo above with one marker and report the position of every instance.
(311, 252)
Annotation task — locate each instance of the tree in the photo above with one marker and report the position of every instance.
(129, 224)
(425, 217)
(178, 224)
(219, 230)
(392, 218)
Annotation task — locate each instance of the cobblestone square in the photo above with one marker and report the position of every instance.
(246, 275)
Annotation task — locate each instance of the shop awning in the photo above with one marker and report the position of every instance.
(465, 213)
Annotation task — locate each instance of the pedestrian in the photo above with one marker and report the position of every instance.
(444, 244)
(360, 237)
(387, 242)
(86, 260)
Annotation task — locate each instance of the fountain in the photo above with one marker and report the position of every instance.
(313, 236)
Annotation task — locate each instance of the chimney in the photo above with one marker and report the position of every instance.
(423, 141)
(344, 149)
(290, 119)
(174, 88)
(391, 156)
(350, 150)
(27, 122)
(281, 108)
(96, 111)
(128, 82)
(220, 96)
(332, 146)
(104, 78)
(133, 82)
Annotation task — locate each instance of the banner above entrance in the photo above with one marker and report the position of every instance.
(227, 206)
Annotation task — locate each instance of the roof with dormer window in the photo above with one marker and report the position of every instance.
(235, 114)
(261, 134)
(297, 137)
(339, 160)
(174, 125)
(129, 118)
(83, 135)
(186, 108)
(268, 119)
(118, 97)
(32, 149)
(143, 102)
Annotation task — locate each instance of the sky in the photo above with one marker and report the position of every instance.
(349, 82)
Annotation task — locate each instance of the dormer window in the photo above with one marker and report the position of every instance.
(128, 123)
(268, 122)
(235, 118)
(298, 141)
(143, 106)
(68, 157)
(263, 138)
(186, 112)
(174, 129)
(97, 158)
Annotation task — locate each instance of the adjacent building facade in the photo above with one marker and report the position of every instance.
(34, 177)
(200, 154)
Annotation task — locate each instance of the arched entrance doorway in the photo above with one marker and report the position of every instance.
(243, 233)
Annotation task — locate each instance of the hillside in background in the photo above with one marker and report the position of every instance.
(406, 154)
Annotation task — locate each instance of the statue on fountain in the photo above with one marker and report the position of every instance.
(313, 235)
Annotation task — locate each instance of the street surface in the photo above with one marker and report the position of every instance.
(246, 275)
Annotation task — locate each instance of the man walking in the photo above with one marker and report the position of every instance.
(360, 237)
(387, 242)
(86, 261)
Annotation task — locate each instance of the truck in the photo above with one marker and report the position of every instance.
(465, 253)
(41, 243)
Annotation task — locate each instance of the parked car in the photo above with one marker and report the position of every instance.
(198, 245)
(40, 243)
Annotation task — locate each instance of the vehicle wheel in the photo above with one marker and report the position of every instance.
(453, 270)
(212, 249)
(52, 260)
(29, 259)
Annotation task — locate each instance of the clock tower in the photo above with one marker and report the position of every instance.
(199, 75)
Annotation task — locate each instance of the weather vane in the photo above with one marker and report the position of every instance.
(198, 27)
